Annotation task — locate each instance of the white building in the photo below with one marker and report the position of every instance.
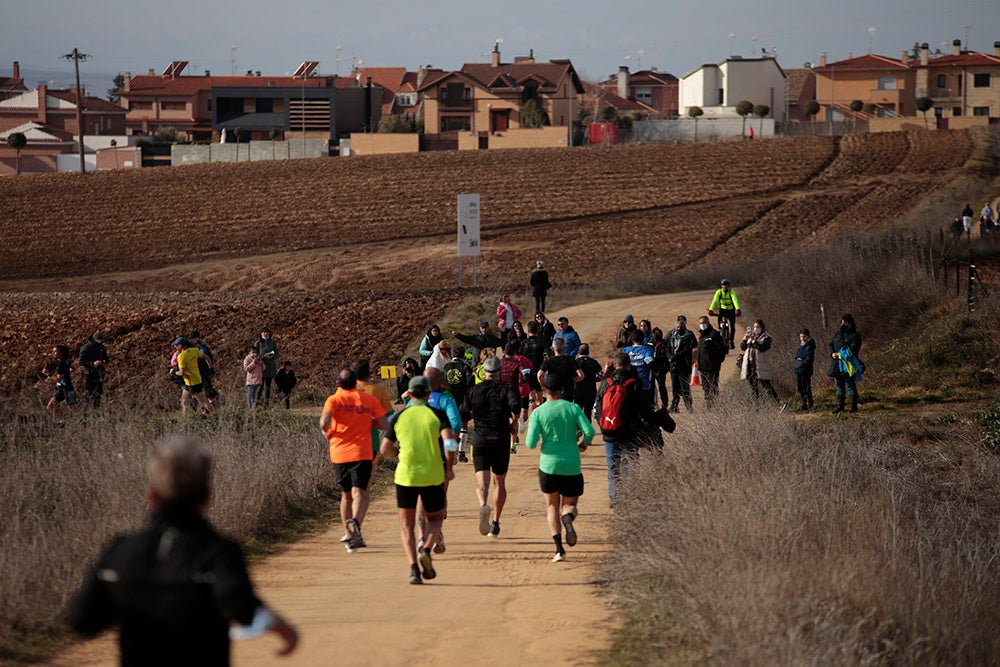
(717, 89)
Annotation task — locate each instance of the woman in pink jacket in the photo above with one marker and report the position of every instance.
(507, 314)
(254, 367)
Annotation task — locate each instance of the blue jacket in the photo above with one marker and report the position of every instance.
(572, 339)
(804, 358)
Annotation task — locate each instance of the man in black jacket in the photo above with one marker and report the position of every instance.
(94, 361)
(494, 407)
(480, 341)
(174, 587)
(681, 345)
(847, 336)
(712, 351)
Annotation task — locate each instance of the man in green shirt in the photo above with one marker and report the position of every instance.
(556, 424)
(422, 438)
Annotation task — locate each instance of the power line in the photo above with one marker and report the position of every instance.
(76, 57)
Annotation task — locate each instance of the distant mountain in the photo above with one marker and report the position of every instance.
(96, 83)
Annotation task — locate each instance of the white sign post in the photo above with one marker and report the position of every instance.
(468, 233)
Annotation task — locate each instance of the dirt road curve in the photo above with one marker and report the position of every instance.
(495, 601)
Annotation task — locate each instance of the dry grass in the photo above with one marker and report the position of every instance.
(65, 490)
(838, 545)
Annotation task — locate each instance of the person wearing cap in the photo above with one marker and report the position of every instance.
(268, 351)
(568, 334)
(349, 415)
(94, 360)
(190, 374)
(494, 407)
(480, 341)
(555, 425)
(540, 286)
(174, 587)
(624, 338)
(681, 348)
(422, 439)
(846, 342)
(727, 304)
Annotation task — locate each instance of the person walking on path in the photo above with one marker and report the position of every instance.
(349, 415)
(494, 407)
(484, 340)
(805, 356)
(268, 351)
(845, 345)
(63, 378)
(285, 381)
(425, 444)
(174, 587)
(621, 419)
(756, 369)
(712, 351)
(681, 348)
(253, 366)
(555, 425)
(568, 334)
(540, 286)
(727, 305)
(94, 361)
(429, 343)
(585, 392)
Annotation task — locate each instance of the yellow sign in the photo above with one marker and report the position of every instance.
(388, 372)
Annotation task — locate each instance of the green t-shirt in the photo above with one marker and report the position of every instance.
(556, 423)
(417, 431)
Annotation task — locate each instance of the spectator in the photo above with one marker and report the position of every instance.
(967, 220)
(681, 347)
(845, 345)
(507, 314)
(756, 368)
(540, 286)
(440, 356)
(568, 334)
(410, 368)
(660, 367)
(253, 366)
(268, 351)
(546, 331)
(712, 351)
(285, 381)
(480, 341)
(428, 344)
(624, 338)
(641, 357)
(804, 358)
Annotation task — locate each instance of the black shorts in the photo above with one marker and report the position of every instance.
(194, 388)
(570, 486)
(433, 496)
(62, 394)
(355, 474)
(493, 456)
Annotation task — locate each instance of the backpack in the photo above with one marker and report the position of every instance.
(510, 371)
(612, 419)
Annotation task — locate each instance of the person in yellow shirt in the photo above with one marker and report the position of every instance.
(726, 304)
(187, 369)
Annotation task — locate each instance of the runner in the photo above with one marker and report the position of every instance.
(63, 379)
(425, 462)
(362, 369)
(563, 367)
(586, 390)
(206, 366)
(94, 360)
(187, 369)
(555, 424)
(441, 399)
(348, 418)
(494, 407)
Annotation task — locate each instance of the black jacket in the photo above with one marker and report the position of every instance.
(679, 348)
(593, 372)
(90, 352)
(540, 282)
(712, 350)
(480, 341)
(849, 338)
(173, 588)
(493, 405)
(636, 411)
(805, 357)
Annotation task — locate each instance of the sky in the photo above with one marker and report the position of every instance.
(597, 36)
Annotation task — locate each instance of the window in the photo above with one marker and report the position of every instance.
(452, 124)
(942, 81)
(265, 105)
(644, 95)
(938, 112)
(981, 80)
(956, 111)
(173, 106)
(980, 111)
(722, 96)
(887, 83)
(140, 106)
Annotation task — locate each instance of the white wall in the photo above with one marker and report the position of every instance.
(72, 162)
(759, 81)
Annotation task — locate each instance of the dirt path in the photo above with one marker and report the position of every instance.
(494, 601)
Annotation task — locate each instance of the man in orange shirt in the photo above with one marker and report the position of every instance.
(362, 369)
(349, 416)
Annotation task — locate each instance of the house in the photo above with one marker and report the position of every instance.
(487, 99)
(886, 82)
(801, 88)
(399, 88)
(962, 83)
(596, 98)
(717, 89)
(184, 103)
(13, 85)
(657, 91)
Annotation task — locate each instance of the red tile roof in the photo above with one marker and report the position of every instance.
(606, 98)
(549, 74)
(649, 77)
(184, 86)
(964, 59)
(796, 81)
(868, 61)
(89, 103)
(12, 84)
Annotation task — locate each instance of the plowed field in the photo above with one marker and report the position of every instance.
(344, 257)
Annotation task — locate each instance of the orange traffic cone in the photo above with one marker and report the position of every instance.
(695, 376)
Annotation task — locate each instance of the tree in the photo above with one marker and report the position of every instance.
(695, 112)
(855, 106)
(396, 125)
(869, 108)
(811, 109)
(609, 114)
(166, 135)
(760, 111)
(273, 134)
(744, 109)
(114, 94)
(114, 144)
(237, 132)
(923, 105)
(17, 141)
(533, 115)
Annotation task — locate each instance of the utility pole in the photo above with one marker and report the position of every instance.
(76, 57)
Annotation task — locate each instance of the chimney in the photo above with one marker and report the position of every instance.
(257, 72)
(496, 55)
(850, 55)
(16, 70)
(43, 107)
(128, 81)
(152, 72)
(822, 59)
(996, 49)
(925, 53)
(906, 58)
(956, 47)
(623, 81)
(208, 72)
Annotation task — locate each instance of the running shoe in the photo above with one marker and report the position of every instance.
(439, 547)
(426, 564)
(420, 544)
(484, 519)
(415, 575)
(513, 445)
(494, 529)
(355, 530)
(350, 549)
(346, 537)
(567, 522)
(462, 458)
(559, 557)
